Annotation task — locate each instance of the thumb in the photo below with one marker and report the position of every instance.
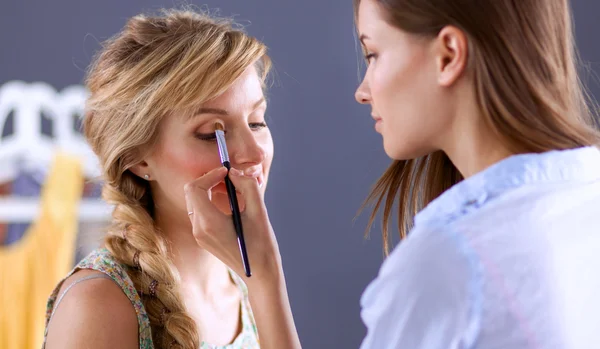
(248, 186)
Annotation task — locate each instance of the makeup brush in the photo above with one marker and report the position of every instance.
(231, 193)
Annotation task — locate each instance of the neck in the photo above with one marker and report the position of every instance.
(472, 145)
(199, 270)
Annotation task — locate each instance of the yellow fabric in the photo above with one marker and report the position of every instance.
(31, 267)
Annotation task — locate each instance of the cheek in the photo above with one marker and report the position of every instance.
(392, 86)
(182, 162)
(402, 93)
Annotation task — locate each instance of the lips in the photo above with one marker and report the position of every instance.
(378, 122)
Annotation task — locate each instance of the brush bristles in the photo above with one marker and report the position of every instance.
(219, 126)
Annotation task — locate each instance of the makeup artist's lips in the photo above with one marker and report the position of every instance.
(378, 122)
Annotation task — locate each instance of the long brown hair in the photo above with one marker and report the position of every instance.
(524, 62)
(156, 65)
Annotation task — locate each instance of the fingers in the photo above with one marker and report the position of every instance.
(209, 180)
(197, 192)
(247, 184)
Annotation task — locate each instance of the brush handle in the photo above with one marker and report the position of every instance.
(237, 220)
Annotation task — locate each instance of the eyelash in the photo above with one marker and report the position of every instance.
(369, 56)
(210, 137)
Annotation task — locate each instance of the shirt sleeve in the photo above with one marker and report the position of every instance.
(427, 295)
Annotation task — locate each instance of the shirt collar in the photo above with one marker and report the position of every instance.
(580, 164)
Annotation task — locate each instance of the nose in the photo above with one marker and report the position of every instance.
(362, 94)
(246, 149)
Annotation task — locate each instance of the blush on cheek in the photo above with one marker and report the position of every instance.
(177, 164)
(186, 164)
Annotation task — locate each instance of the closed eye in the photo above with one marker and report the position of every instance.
(206, 136)
(211, 137)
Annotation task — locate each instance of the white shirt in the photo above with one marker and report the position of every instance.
(508, 258)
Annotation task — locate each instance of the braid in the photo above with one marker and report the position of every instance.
(134, 241)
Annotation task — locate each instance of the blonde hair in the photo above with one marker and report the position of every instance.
(155, 65)
(523, 58)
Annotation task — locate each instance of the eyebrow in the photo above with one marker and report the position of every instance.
(219, 111)
(363, 37)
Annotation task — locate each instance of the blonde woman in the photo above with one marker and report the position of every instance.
(479, 104)
(157, 89)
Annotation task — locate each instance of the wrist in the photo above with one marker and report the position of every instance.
(268, 280)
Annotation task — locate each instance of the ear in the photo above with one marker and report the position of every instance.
(452, 55)
(142, 170)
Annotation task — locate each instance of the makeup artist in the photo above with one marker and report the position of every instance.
(480, 106)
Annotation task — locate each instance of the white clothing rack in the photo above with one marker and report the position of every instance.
(25, 210)
(26, 148)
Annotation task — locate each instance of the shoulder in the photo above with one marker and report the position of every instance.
(103, 260)
(94, 311)
(428, 292)
(100, 259)
(442, 250)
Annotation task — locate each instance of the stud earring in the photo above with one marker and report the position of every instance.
(146, 177)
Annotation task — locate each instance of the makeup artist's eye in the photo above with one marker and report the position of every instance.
(370, 56)
(257, 125)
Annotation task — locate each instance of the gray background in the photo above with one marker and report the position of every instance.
(327, 155)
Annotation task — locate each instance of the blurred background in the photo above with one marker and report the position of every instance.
(327, 155)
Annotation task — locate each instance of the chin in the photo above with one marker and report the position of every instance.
(403, 152)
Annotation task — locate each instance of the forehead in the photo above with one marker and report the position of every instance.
(240, 99)
(243, 93)
(369, 16)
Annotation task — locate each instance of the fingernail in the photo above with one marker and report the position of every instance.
(236, 172)
(252, 174)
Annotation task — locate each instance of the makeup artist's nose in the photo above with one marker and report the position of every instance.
(363, 94)
(247, 150)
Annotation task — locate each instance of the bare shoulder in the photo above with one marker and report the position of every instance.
(94, 313)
